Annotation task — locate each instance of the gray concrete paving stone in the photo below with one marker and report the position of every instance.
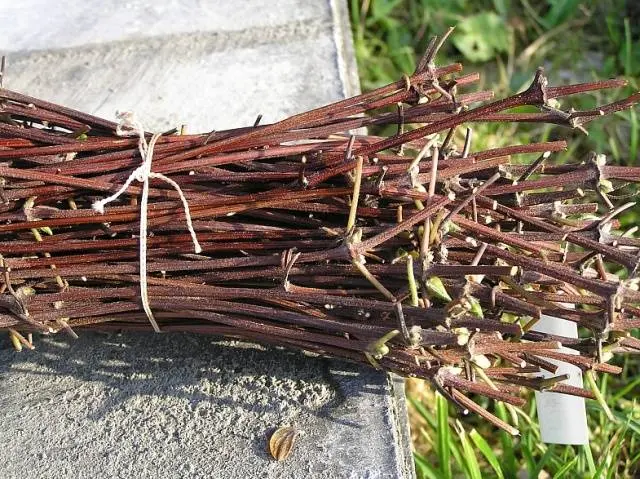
(145, 405)
(179, 405)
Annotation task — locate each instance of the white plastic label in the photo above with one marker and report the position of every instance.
(562, 418)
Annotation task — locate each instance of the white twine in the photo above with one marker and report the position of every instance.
(129, 126)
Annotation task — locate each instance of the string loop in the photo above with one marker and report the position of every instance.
(130, 126)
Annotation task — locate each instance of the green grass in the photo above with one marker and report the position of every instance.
(505, 40)
(476, 449)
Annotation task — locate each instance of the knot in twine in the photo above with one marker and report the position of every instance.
(129, 126)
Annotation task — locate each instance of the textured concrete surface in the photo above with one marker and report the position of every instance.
(174, 406)
(164, 406)
(275, 58)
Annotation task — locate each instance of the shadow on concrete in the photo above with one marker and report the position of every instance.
(203, 370)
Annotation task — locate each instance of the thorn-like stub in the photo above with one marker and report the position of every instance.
(538, 88)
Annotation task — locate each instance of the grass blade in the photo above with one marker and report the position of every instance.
(424, 470)
(444, 434)
(506, 440)
(569, 466)
(487, 452)
(527, 448)
(470, 460)
(615, 453)
(625, 390)
(627, 48)
(634, 139)
(591, 380)
(589, 456)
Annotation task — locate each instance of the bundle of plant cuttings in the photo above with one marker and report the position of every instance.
(414, 252)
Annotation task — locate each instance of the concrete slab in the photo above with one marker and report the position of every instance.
(277, 60)
(76, 23)
(207, 81)
(176, 406)
(161, 406)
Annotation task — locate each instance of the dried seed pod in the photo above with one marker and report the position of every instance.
(281, 442)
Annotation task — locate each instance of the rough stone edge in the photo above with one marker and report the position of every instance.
(348, 71)
(401, 421)
(346, 57)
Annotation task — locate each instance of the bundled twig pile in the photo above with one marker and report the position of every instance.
(410, 253)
